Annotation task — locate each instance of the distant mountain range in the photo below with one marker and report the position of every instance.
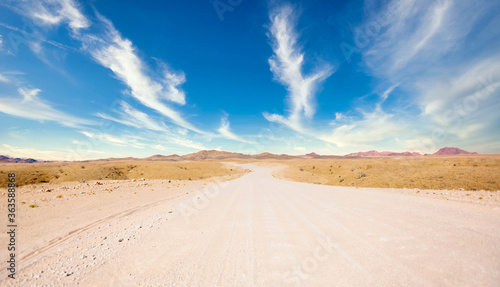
(452, 151)
(4, 158)
(207, 155)
(384, 153)
(219, 155)
(224, 155)
(443, 151)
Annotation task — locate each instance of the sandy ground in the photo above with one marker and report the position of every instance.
(256, 230)
(482, 197)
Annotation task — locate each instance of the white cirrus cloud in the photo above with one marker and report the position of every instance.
(124, 141)
(464, 103)
(225, 131)
(413, 38)
(160, 147)
(413, 31)
(443, 57)
(287, 65)
(132, 117)
(4, 79)
(300, 148)
(36, 35)
(187, 143)
(54, 12)
(30, 106)
(370, 129)
(458, 92)
(119, 55)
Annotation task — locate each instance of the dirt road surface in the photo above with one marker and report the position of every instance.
(258, 230)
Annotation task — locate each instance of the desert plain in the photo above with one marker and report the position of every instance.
(382, 221)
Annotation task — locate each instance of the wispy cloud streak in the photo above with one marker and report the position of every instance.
(420, 46)
(367, 130)
(115, 52)
(114, 140)
(225, 131)
(4, 79)
(55, 12)
(30, 106)
(132, 117)
(287, 64)
(118, 54)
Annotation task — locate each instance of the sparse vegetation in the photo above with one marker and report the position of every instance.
(434, 172)
(117, 170)
(361, 174)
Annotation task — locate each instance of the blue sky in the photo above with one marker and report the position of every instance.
(84, 80)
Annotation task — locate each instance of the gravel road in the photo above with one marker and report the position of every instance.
(258, 230)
